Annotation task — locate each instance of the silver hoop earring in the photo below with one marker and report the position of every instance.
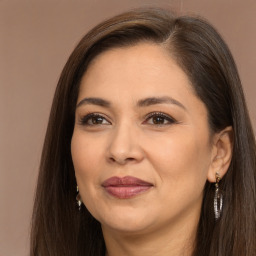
(78, 199)
(218, 199)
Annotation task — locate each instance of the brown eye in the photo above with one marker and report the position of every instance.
(97, 120)
(159, 119)
(94, 119)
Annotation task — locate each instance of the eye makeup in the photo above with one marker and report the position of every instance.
(153, 118)
(159, 118)
(93, 119)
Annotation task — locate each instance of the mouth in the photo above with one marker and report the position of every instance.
(126, 187)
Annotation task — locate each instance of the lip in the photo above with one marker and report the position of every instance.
(126, 187)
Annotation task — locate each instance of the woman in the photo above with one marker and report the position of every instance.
(149, 134)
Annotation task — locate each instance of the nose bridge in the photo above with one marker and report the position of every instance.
(124, 144)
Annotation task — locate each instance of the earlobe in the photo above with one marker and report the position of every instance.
(221, 154)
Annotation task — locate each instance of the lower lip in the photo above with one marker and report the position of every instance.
(125, 192)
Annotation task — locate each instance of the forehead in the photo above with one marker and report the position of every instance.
(143, 67)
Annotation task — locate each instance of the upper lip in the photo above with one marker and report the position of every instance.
(125, 181)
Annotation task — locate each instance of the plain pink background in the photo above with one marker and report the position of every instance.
(36, 37)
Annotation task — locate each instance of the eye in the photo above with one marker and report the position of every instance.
(158, 118)
(93, 119)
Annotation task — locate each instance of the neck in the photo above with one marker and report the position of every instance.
(175, 241)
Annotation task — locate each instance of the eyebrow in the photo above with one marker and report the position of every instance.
(141, 103)
(94, 101)
(159, 100)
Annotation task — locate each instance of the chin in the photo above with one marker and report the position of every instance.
(126, 222)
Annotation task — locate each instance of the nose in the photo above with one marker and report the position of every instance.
(124, 146)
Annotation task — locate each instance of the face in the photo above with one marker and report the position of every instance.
(141, 143)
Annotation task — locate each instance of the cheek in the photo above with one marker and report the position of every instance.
(181, 159)
(85, 155)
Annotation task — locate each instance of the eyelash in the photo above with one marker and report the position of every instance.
(85, 119)
(166, 118)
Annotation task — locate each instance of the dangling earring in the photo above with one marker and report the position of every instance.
(218, 198)
(78, 199)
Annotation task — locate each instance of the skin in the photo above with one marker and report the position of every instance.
(176, 154)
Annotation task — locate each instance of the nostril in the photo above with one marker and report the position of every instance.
(121, 160)
(112, 159)
(129, 159)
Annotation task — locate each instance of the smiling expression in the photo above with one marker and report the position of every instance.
(141, 143)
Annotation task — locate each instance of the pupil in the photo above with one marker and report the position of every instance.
(158, 120)
(97, 120)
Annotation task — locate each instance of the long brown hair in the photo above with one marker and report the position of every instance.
(59, 229)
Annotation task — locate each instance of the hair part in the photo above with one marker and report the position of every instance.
(58, 228)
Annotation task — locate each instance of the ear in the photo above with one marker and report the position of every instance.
(221, 153)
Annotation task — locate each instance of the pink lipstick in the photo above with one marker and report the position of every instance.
(125, 187)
